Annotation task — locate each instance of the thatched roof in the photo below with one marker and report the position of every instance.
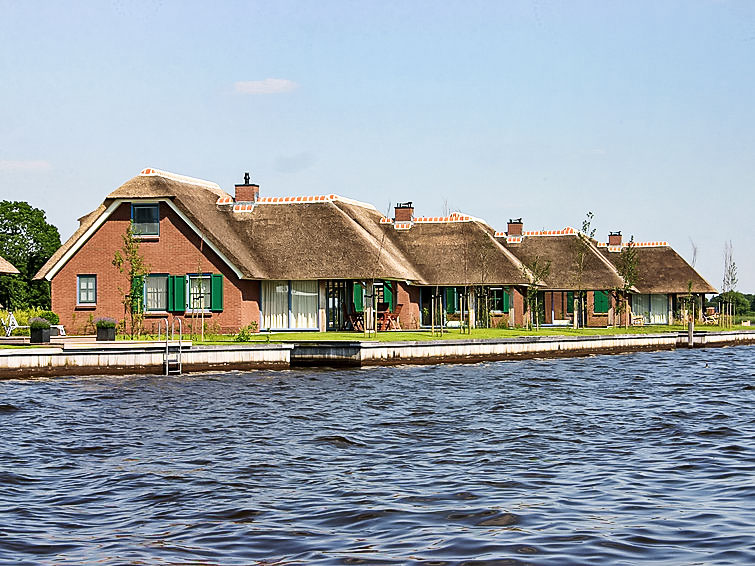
(561, 251)
(661, 270)
(457, 253)
(85, 222)
(333, 238)
(7, 268)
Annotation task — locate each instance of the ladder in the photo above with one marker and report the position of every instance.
(172, 361)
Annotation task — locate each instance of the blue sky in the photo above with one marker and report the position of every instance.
(641, 112)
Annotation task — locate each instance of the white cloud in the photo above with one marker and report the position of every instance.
(265, 86)
(11, 165)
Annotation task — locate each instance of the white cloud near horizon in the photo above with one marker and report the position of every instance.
(265, 86)
(21, 165)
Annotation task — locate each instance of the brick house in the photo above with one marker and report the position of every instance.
(306, 263)
(665, 281)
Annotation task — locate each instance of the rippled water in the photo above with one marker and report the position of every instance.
(642, 458)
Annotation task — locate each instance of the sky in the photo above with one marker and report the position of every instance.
(641, 112)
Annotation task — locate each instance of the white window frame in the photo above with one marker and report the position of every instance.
(79, 278)
(193, 277)
(163, 276)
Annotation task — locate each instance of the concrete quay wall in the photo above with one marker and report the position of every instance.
(471, 350)
(125, 359)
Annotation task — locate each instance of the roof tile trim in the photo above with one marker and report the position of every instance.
(658, 244)
(245, 207)
(564, 232)
(453, 217)
(150, 172)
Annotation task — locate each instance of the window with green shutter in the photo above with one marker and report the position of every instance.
(601, 302)
(506, 299)
(570, 302)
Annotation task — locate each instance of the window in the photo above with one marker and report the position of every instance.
(146, 219)
(204, 292)
(156, 293)
(290, 304)
(499, 300)
(86, 290)
(199, 292)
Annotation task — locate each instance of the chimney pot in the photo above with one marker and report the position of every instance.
(404, 212)
(614, 238)
(515, 227)
(248, 192)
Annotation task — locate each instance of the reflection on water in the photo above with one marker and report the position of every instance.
(641, 458)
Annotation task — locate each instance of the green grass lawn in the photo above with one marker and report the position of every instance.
(425, 335)
(455, 334)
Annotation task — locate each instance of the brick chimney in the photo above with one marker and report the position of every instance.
(404, 212)
(614, 238)
(515, 227)
(247, 192)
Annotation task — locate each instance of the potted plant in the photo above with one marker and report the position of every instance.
(39, 330)
(53, 319)
(105, 328)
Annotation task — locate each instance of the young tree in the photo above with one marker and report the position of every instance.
(627, 267)
(581, 253)
(536, 272)
(27, 240)
(128, 260)
(730, 281)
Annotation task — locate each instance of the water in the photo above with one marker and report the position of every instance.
(635, 459)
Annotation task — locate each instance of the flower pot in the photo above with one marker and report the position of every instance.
(39, 336)
(105, 334)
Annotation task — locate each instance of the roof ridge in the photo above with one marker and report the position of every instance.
(151, 172)
(654, 244)
(566, 231)
(301, 199)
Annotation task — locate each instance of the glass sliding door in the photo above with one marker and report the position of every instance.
(275, 305)
(335, 291)
(304, 305)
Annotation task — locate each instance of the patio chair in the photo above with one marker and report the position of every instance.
(393, 318)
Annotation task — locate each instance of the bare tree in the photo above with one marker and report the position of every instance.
(536, 272)
(628, 270)
(730, 281)
(581, 253)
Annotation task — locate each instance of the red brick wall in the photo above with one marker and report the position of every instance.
(177, 251)
(408, 296)
(596, 319)
(518, 301)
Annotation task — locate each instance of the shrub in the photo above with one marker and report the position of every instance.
(245, 333)
(38, 323)
(50, 316)
(105, 322)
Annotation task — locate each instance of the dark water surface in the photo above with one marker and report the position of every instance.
(634, 459)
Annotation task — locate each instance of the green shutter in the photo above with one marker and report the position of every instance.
(177, 293)
(171, 299)
(506, 299)
(570, 302)
(216, 293)
(137, 294)
(450, 296)
(358, 298)
(388, 294)
(600, 302)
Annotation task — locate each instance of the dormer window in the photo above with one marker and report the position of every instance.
(146, 219)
